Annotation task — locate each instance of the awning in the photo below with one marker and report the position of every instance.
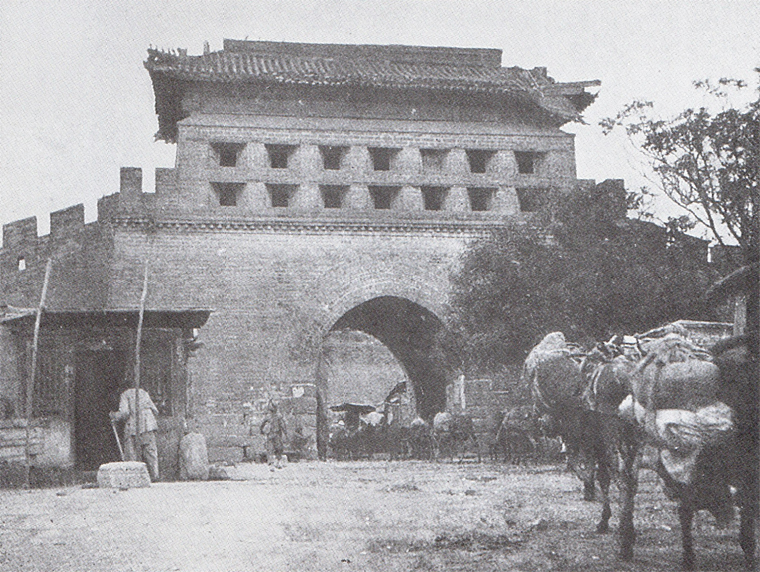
(739, 282)
(354, 408)
(115, 318)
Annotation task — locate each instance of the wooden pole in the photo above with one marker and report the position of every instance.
(32, 374)
(138, 340)
(118, 441)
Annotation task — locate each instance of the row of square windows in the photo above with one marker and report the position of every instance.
(383, 158)
(383, 197)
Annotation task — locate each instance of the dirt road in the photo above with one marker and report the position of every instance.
(383, 516)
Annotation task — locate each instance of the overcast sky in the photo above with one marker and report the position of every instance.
(76, 103)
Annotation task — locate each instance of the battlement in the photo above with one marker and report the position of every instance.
(67, 222)
(64, 223)
(130, 186)
(20, 232)
(131, 196)
(67, 226)
(21, 235)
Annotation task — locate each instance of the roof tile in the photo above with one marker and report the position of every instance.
(398, 67)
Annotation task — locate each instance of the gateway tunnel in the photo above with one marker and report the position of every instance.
(409, 332)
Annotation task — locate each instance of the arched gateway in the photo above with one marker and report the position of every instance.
(409, 332)
(321, 198)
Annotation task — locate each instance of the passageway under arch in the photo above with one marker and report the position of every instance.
(410, 332)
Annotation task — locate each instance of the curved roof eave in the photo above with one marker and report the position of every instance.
(170, 73)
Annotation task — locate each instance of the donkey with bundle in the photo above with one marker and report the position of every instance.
(577, 400)
(700, 411)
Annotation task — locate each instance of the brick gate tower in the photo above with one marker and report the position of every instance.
(321, 197)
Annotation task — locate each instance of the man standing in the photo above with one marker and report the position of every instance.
(142, 448)
(273, 427)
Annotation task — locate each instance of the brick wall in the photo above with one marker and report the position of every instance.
(197, 169)
(359, 369)
(80, 254)
(277, 279)
(274, 297)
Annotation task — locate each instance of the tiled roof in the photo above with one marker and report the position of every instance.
(399, 67)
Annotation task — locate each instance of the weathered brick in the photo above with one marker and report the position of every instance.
(278, 280)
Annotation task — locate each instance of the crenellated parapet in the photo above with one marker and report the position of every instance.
(19, 233)
(72, 245)
(131, 200)
(22, 247)
(80, 251)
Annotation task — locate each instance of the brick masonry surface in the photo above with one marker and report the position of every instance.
(277, 279)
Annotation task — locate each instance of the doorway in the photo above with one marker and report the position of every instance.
(98, 378)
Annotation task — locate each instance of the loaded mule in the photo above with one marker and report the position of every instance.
(452, 434)
(514, 435)
(700, 411)
(576, 399)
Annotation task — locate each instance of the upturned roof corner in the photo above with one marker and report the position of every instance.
(394, 67)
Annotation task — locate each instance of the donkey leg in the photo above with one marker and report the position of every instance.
(685, 516)
(586, 471)
(589, 489)
(629, 483)
(603, 477)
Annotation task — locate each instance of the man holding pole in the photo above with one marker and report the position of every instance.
(142, 448)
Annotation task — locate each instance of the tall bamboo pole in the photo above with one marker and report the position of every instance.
(138, 340)
(32, 375)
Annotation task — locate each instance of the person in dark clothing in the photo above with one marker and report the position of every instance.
(273, 427)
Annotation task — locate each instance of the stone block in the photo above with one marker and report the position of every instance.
(125, 474)
(193, 458)
(218, 473)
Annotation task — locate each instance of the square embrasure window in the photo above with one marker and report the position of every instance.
(382, 158)
(433, 159)
(227, 154)
(281, 195)
(383, 197)
(481, 199)
(333, 195)
(527, 162)
(228, 193)
(279, 155)
(530, 199)
(479, 159)
(332, 157)
(433, 198)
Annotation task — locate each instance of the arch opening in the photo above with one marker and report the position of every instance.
(408, 332)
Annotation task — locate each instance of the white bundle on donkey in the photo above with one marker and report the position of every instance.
(675, 400)
(552, 374)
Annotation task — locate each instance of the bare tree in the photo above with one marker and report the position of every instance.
(709, 164)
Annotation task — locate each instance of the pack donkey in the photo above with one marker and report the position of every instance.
(577, 399)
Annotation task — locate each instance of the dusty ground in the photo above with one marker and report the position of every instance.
(341, 516)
